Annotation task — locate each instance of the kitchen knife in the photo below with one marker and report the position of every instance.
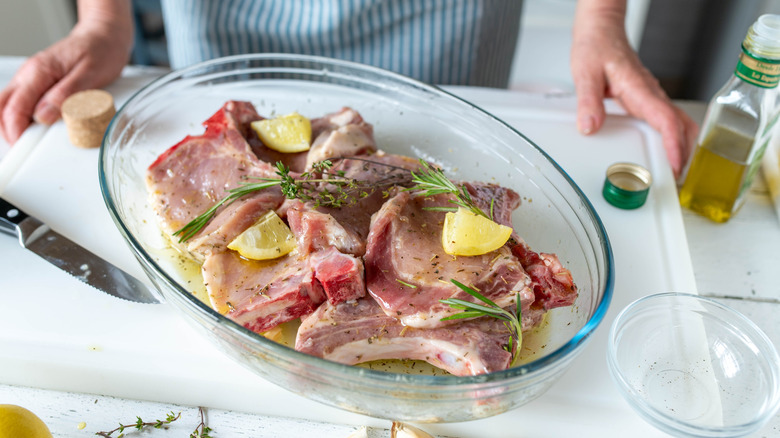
(70, 256)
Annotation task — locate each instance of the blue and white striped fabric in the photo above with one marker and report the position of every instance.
(465, 42)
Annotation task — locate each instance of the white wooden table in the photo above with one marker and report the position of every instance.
(737, 263)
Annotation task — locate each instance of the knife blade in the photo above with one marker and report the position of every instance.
(70, 256)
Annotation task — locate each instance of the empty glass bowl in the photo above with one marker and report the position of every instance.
(694, 367)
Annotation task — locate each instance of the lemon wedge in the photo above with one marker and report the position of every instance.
(268, 238)
(469, 234)
(18, 422)
(286, 134)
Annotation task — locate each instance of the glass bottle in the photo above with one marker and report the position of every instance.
(737, 127)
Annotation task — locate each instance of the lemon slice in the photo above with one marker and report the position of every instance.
(469, 234)
(268, 238)
(287, 134)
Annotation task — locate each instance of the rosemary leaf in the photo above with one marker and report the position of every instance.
(466, 305)
(474, 294)
(512, 321)
(432, 181)
(463, 315)
(405, 283)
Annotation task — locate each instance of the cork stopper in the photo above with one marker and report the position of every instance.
(87, 115)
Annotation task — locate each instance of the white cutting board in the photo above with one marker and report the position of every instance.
(57, 333)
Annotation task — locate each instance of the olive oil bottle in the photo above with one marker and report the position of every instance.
(736, 128)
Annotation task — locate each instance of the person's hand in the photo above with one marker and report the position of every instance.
(91, 56)
(604, 65)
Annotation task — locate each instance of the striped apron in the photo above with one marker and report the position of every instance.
(459, 42)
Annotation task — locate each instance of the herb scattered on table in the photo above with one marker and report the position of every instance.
(141, 424)
(512, 321)
(201, 431)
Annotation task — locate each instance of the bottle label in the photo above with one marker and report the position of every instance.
(762, 72)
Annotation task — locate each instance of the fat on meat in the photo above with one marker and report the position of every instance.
(359, 331)
(408, 272)
(340, 134)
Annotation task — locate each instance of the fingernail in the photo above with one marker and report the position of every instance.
(46, 113)
(585, 124)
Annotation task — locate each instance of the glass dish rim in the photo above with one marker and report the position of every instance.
(661, 418)
(448, 381)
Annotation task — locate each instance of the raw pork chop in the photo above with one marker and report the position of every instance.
(383, 172)
(356, 332)
(193, 175)
(261, 294)
(234, 114)
(552, 284)
(340, 275)
(330, 250)
(316, 230)
(408, 272)
(340, 134)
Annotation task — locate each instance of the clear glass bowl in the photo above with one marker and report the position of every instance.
(409, 118)
(694, 367)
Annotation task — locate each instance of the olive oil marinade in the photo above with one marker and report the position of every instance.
(737, 127)
(717, 174)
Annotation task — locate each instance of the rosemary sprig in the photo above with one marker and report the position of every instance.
(306, 188)
(336, 190)
(512, 321)
(432, 181)
(140, 424)
(194, 226)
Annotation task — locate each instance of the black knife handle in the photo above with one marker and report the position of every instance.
(10, 217)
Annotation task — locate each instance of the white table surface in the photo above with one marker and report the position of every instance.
(735, 263)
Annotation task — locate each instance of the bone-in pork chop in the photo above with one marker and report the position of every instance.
(360, 331)
(193, 175)
(261, 294)
(408, 272)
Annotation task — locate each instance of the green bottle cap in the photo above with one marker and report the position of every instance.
(626, 185)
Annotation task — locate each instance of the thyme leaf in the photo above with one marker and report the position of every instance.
(333, 190)
(328, 188)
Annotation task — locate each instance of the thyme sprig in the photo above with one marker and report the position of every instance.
(201, 430)
(140, 424)
(431, 181)
(334, 189)
(306, 187)
(512, 321)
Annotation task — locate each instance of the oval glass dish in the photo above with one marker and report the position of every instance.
(409, 118)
